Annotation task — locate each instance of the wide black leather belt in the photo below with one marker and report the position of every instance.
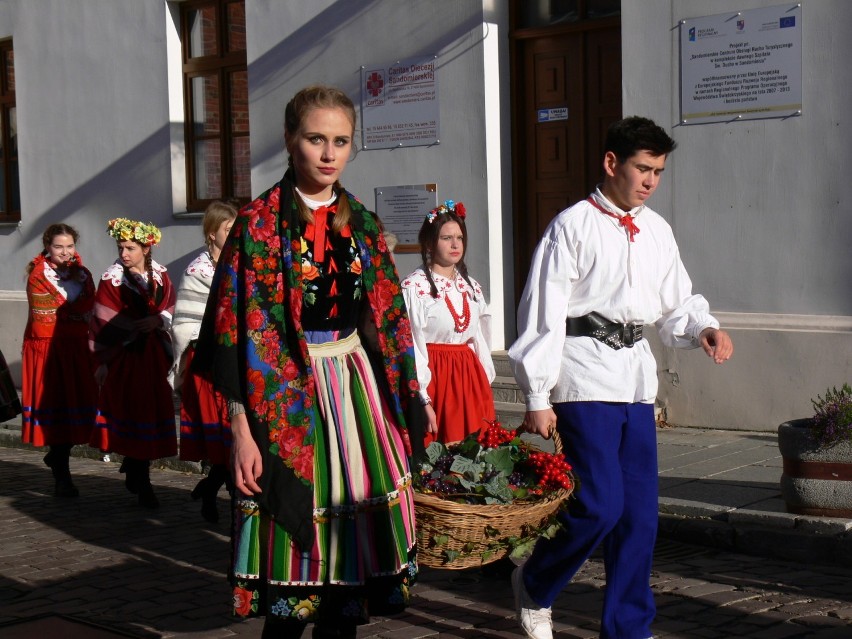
(614, 334)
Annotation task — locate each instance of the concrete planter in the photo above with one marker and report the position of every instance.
(814, 481)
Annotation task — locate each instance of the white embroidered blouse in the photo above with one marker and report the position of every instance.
(432, 322)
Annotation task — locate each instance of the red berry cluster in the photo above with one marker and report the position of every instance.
(552, 470)
(494, 434)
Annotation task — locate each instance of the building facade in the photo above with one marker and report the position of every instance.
(97, 124)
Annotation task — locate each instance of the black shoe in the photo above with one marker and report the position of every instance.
(147, 498)
(206, 490)
(131, 475)
(209, 510)
(65, 488)
(199, 489)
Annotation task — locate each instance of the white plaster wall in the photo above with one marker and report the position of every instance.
(97, 125)
(761, 214)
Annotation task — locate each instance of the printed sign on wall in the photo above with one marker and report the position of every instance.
(745, 65)
(399, 104)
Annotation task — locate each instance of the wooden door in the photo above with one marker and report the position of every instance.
(567, 90)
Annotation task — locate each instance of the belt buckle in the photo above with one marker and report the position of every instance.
(630, 334)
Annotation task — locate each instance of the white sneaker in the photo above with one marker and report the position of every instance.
(534, 619)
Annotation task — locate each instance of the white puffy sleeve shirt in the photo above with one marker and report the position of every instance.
(192, 296)
(432, 323)
(583, 263)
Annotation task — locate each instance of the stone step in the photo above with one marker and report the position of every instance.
(501, 363)
(506, 390)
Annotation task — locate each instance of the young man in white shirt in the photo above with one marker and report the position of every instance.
(604, 269)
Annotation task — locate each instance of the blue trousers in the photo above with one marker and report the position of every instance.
(613, 450)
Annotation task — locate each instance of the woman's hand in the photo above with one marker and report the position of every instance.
(148, 324)
(431, 420)
(246, 462)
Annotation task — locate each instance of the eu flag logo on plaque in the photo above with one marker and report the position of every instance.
(788, 21)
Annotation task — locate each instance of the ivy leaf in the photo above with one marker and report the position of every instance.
(467, 467)
(440, 540)
(451, 555)
(499, 487)
(500, 459)
(435, 451)
(523, 548)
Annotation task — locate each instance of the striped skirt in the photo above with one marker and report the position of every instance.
(362, 560)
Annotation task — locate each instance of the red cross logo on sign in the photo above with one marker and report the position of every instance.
(375, 84)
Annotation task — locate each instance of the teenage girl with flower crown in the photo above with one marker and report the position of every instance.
(451, 326)
(130, 337)
(57, 370)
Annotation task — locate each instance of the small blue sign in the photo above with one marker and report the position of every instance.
(788, 21)
(553, 115)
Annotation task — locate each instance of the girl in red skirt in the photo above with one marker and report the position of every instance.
(57, 370)
(131, 340)
(205, 430)
(451, 327)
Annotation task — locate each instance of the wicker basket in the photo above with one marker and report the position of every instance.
(466, 526)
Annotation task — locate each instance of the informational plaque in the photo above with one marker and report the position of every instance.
(741, 65)
(402, 210)
(399, 104)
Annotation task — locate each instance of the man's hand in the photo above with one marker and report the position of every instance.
(540, 422)
(246, 462)
(717, 344)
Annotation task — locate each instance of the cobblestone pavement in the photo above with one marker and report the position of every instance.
(102, 559)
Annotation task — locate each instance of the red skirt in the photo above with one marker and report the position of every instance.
(460, 392)
(58, 390)
(136, 412)
(205, 430)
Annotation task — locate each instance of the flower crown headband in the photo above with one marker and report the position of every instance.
(449, 206)
(123, 230)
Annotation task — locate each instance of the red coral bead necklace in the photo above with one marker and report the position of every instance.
(461, 321)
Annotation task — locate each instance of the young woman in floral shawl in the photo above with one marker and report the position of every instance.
(324, 524)
(130, 338)
(57, 369)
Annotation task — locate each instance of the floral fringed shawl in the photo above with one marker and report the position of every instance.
(260, 355)
(50, 310)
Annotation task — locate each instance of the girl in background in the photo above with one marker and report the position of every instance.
(451, 326)
(57, 369)
(205, 430)
(130, 337)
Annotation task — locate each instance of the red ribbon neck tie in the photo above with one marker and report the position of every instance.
(317, 231)
(625, 220)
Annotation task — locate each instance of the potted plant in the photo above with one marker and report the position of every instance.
(817, 454)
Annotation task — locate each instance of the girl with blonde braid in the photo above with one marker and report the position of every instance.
(130, 338)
